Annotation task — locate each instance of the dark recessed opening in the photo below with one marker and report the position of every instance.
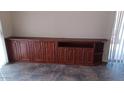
(75, 44)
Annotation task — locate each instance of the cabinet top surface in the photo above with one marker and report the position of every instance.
(58, 39)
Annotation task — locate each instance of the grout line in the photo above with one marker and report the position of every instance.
(2, 76)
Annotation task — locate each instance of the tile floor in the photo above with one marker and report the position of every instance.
(57, 72)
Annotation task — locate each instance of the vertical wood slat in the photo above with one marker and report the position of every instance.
(30, 50)
(18, 50)
(15, 52)
(36, 47)
(24, 50)
(41, 51)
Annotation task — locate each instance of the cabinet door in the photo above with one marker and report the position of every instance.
(70, 55)
(48, 48)
(34, 50)
(14, 48)
(88, 56)
(18, 50)
(41, 51)
(23, 50)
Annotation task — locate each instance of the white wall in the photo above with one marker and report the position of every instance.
(6, 21)
(63, 24)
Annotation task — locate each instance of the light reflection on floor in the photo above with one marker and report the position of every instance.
(117, 70)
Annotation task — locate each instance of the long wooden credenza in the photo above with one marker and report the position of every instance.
(55, 50)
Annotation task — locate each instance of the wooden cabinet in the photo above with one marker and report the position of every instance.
(55, 50)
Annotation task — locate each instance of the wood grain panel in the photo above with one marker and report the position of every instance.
(16, 50)
(34, 50)
(24, 51)
(49, 51)
(41, 51)
(88, 56)
(70, 55)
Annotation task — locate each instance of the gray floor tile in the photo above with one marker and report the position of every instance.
(57, 72)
